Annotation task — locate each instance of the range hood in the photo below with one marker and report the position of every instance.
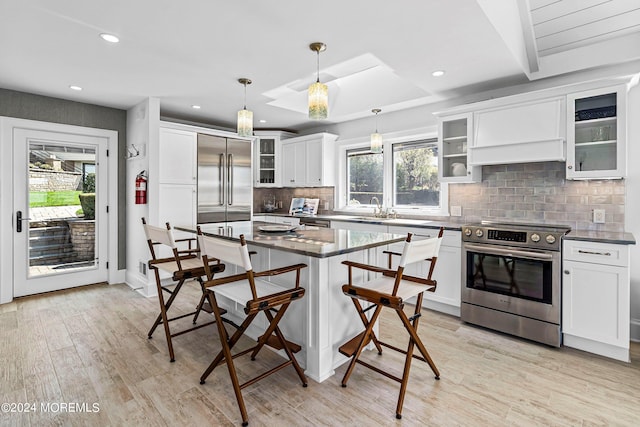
(521, 133)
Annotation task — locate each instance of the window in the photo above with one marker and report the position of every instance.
(404, 177)
(415, 174)
(365, 176)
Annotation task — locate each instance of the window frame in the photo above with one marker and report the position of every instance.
(388, 178)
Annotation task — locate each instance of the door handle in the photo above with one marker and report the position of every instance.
(220, 179)
(230, 179)
(19, 220)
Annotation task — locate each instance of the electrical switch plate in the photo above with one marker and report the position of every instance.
(456, 211)
(598, 216)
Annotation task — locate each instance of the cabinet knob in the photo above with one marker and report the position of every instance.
(567, 272)
(569, 167)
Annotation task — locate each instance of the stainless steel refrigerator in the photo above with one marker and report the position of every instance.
(224, 179)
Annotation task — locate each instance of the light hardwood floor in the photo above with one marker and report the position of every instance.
(89, 345)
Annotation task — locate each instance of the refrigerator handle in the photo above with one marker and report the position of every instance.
(221, 178)
(230, 179)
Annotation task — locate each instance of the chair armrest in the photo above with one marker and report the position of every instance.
(223, 280)
(274, 300)
(189, 251)
(281, 270)
(372, 296)
(392, 253)
(369, 267)
(422, 281)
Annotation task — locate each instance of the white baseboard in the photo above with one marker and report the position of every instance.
(140, 284)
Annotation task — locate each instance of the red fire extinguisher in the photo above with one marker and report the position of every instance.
(141, 189)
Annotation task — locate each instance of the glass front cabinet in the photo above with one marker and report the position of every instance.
(266, 155)
(454, 138)
(596, 134)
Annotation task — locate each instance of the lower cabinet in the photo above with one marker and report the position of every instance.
(448, 271)
(596, 298)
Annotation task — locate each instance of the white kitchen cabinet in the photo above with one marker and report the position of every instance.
(448, 271)
(454, 141)
(267, 158)
(596, 134)
(520, 132)
(177, 157)
(308, 161)
(596, 298)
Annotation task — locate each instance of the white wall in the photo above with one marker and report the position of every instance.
(143, 124)
(632, 204)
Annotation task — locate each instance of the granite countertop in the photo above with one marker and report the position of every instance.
(409, 222)
(620, 238)
(311, 241)
(602, 237)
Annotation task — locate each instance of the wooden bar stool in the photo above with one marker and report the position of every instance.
(391, 290)
(256, 295)
(182, 265)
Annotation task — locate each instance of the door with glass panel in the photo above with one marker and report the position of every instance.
(60, 201)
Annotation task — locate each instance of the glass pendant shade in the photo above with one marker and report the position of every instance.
(318, 101)
(376, 143)
(245, 122)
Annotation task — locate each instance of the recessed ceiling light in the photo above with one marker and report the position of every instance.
(263, 121)
(438, 73)
(75, 87)
(109, 38)
(195, 107)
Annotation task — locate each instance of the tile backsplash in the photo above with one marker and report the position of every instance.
(539, 192)
(523, 192)
(284, 195)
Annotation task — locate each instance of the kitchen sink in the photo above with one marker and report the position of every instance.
(400, 221)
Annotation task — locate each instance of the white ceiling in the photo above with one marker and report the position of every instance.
(380, 54)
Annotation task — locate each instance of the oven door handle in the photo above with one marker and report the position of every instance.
(509, 252)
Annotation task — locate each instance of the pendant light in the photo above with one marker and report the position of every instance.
(245, 117)
(376, 138)
(318, 92)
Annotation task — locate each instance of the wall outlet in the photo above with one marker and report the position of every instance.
(598, 216)
(142, 268)
(456, 211)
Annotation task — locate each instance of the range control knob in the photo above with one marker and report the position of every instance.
(550, 239)
(479, 232)
(535, 237)
(467, 232)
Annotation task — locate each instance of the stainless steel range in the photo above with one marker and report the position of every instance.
(512, 279)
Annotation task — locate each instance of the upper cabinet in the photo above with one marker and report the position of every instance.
(267, 158)
(177, 157)
(454, 140)
(522, 132)
(596, 136)
(308, 161)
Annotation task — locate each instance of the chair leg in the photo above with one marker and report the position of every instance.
(365, 322)
(367, 333)
(273, 328)
(418, 342)
(202, 300)
(225, 353)
(163, 314)
(167, 305)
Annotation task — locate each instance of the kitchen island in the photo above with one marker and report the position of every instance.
(325, 318)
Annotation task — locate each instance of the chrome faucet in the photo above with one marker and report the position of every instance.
(379, 213)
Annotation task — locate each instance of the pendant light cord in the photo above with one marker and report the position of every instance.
(245, 97)
(318, 66)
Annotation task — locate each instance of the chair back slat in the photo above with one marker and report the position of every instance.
(160, 235)
(419, 250)
(226, 251)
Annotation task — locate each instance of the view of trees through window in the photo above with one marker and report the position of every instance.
(365, 176)
(415, 175)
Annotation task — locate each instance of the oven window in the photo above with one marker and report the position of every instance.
(516, 277)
